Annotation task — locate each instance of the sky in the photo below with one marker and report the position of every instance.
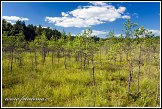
(74, 17)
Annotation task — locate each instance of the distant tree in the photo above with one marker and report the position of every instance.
(33, 46)
(20, 46)
(42, 43)
(30, 32)
(39, 30)
(9, 43)
(7, 28)
(52, 46)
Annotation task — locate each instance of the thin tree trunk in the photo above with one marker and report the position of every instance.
(58, 55)
(156, 94)
(149, 61)
(69, 55)
(100, 53)
(44, 55)
(139, 68)
(65, 59)
(35, 58)
(93, 77)
(52, 56)
(114, 60)
(120, 64)
(127, 58)
(129, 82)
(130, 70)
(32, 63)
(84, 60)
(9, 66)
(20, 59)
(15, 57)
(11, 59)
(81, 60)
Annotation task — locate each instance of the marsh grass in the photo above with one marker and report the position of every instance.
(72, 87)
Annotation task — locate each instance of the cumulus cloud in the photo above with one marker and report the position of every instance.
(155, 32)
(87, 16)
(13, 19)
(72, 21)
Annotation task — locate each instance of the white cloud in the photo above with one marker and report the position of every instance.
(44, 27)
(72, 21)
(73, 34)
(64, 14)
(12, 23)
(86, 16)
(121, 9)
(96, 32)
(126, 17)
(117, 35)
(98, 3)
(156, 32)
(14, 18)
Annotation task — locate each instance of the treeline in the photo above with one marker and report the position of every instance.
(31, 31)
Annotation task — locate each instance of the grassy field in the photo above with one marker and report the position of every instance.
(60, 87)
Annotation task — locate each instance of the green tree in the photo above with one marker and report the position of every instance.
(42, 43)
(129, 28)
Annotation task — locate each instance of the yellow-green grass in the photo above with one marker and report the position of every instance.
(73, 87)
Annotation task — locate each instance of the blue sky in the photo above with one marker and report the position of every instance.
(74, 17)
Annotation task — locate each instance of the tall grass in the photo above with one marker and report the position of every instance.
(73, 87)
